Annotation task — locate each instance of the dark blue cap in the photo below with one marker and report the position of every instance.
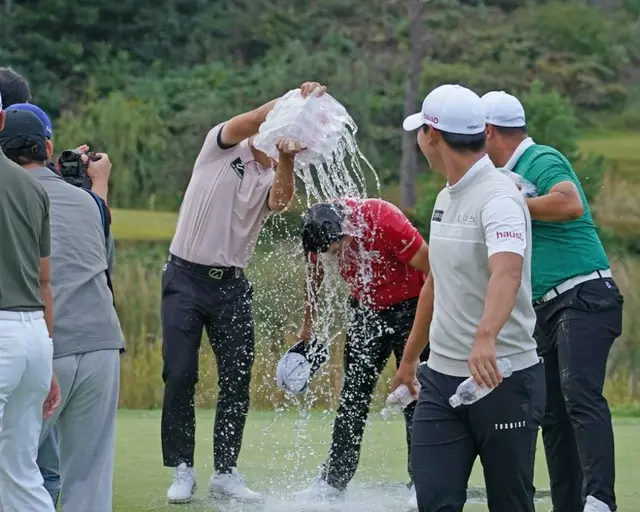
(41, 114)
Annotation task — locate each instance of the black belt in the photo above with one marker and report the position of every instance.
(211, 272)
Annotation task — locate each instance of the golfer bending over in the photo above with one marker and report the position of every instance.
(232, 189)
(475, 306)
(384, 261)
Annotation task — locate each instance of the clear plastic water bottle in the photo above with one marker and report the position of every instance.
(470, 391)
(527, 188)
(397, 401)
(318, 121)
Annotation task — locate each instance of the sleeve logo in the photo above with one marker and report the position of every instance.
(513, 235)
(238, 166)
(437, 215)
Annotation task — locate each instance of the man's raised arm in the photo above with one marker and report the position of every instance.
(246, 125)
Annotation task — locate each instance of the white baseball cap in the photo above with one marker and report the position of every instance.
(450, 108)
(503, 109)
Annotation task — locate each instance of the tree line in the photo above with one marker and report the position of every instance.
(145, 80)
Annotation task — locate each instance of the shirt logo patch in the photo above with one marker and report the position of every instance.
(238, 166)
(464, 218)
(516, 235)
(437, 215)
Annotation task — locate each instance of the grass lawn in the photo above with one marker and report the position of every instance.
(282, 450)
(620, 150)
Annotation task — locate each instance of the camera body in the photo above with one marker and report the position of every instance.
(73, 170)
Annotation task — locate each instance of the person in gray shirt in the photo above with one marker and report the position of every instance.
(88, 338)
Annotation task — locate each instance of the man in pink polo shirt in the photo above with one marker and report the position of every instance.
(232, 189)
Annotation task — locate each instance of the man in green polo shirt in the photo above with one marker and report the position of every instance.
(26, 326)
(578, 308)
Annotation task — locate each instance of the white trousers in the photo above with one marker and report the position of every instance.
(26, 355)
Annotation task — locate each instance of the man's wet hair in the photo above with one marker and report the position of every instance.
(14, 88)
(462, 143)
(321, 226)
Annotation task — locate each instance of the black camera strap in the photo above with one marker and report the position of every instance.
(105, 216)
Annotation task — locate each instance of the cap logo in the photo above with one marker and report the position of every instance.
(433, 119)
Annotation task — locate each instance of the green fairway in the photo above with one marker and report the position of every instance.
(282, 450)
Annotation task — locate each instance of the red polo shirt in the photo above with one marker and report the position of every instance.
(387, 244)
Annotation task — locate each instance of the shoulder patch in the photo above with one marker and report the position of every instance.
(437, 215)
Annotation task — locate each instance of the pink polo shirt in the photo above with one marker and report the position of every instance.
(224, 206)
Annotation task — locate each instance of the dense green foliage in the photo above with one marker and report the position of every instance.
(146, 80)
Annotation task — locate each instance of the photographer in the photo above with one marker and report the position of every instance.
(86, 345)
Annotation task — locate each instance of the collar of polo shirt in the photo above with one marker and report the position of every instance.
(450, 108)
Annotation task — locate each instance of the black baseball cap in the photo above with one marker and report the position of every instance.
(321, 226)
(23, 134)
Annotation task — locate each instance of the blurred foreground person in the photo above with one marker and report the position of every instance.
(578, 308)
(232, 189)
(475, 307)
(16, 93)
(384, 261)
(88, 338)
(26, 326)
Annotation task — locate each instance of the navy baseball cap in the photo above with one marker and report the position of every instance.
(23, 133)
(41, 114)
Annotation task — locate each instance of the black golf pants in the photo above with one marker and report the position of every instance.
(371, 339)
(190, 301)
(501, 428)
(575, 332)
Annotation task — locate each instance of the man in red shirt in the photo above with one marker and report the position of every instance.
(384, 261)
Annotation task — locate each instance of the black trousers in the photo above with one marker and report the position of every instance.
(501, 428)
(574, 333)
(371, 339)
(191, 301)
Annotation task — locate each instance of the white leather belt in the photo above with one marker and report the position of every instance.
(571, 283)
(21, 316)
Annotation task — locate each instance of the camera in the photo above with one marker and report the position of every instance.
(73, 170)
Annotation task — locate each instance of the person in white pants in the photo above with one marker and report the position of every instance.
(28, 388)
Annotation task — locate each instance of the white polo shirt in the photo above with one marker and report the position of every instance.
(481, 215)
(224, 206)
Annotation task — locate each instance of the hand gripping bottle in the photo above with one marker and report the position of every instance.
(470, 391)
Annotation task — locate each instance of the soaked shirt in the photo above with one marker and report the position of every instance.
(376, 265)
(224, 206)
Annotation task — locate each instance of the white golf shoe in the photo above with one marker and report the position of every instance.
(232, 486)
(183, 486)
(413, 498)
(319, 490)
(595, 505)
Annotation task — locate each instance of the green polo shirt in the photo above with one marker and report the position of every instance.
(24, 237)
(561, 250)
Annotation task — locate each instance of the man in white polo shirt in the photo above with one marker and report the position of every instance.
(578, 307)
(232, 189)
(475, 307)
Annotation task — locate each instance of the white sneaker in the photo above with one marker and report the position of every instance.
(319, 490)
(183, 486)
(595, 505)
(413, 498)
(231, 486)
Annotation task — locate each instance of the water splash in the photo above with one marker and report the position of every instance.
(333, 169)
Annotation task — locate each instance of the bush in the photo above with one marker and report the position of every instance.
(550, 119)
